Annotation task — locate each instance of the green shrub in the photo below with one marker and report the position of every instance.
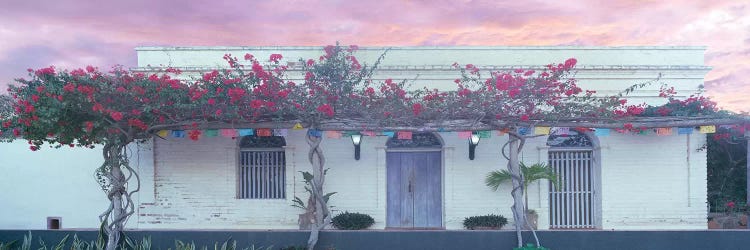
(352, 221)
(490, 220)
(293, 248)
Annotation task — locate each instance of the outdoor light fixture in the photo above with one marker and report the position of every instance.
(356, 139)
(473, 142)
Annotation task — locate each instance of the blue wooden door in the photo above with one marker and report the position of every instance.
(414, 190)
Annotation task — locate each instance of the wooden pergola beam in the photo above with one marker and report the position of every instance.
(463, 125)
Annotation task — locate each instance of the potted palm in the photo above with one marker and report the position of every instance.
(531, 174)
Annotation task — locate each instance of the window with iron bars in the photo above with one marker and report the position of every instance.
(262, 168)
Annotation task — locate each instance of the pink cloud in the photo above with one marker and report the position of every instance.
(76, 33)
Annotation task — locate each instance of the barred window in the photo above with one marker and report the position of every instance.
(262, 167)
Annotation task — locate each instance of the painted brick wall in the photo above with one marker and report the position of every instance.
(642, 188)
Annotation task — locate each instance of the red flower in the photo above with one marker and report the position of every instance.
(416, 108)
(89, 126)
(90, 69)
(256, 104)
(117, 116)
(40, 89)
(97, 107)
(33, 148)
(70, 87)
(211, 101)
(570, 63)
(194, 134)
(248, 56)
(218, 112)
(35, 98)
(310, 62)
(326, 109)
(524, 117)
(730, 204)
(275, 57)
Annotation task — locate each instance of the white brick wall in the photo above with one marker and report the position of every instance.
(642, 188)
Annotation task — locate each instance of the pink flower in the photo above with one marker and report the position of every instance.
(275, 57)
(730, 204)
(248, 56)
(310, 62)
(570, 63)
(70, 87)
(117, 116)
(256, 104)
(326, 109)
(211, 101)
(89, 126)
(416, 108)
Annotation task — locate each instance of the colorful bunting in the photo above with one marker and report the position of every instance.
(388, 133)
(464, 134)
(246, 131)
(561, 131)
(211, 133)
(229, 133)
(297, 126)
(523, 130)
(265, 132)
(710, 129)
(685, 131)
(541, 130)
(601, 132)
(162, 133)
(663, 131)
(178, 133)
(281, 132)
(368, 133)
(404, 135)
(484, 134)
(333, 134)
(315, 133)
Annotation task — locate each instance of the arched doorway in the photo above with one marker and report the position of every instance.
(574, 202)
(414, 182)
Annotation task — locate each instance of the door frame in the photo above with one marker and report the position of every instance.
(441, 150)
(596, 173)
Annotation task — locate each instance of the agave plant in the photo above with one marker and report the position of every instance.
(531, 174)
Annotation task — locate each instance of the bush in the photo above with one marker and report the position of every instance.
(490, 220)
(352, 221)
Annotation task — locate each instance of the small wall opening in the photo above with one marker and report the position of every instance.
(54, 222)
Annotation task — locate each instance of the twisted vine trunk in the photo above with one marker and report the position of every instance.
(114, 175)
(519, 216)
(518, 193)
(320, 213)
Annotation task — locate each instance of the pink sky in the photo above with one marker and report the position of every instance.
(72, 34)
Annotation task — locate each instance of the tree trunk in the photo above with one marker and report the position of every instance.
(320, 212)
(114, 182)
(519, 215)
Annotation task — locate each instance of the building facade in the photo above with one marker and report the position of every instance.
(615, 181)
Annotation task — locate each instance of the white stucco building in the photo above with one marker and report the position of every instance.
(619, 181)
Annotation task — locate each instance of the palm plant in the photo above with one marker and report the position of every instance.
(531, 174)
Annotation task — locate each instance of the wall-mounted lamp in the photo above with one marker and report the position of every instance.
(356, 140)
(473, 142)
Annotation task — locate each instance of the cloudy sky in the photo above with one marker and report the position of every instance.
(72, 34)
